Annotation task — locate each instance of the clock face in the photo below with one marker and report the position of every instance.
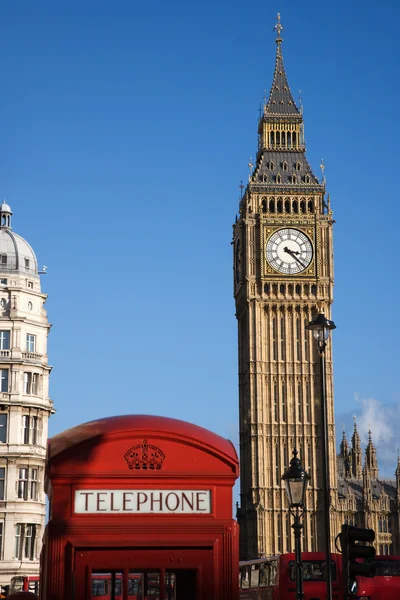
(289, 251)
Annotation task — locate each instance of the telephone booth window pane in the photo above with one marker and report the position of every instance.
(254, 576)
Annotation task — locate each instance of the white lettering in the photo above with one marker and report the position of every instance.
(142, 501)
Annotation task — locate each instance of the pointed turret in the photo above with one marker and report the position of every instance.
(345, 455)
(356, 453)
(281, 165)
(280, 100)
(370, 458)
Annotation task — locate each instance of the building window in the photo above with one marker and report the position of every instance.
(278, 473)
(28, 483)
(2, 483)
(283, 404)
(298, 339)
(3, 380)
(4, 340)
(276, 403)
(3, 427)
(31, 430)
(279, 531)
(299, 402)
(25, 538)
(30, 285)
(307, 402)
(274, 340)
(31, 383)
(312, 532)
(287, 527)
(30, 342)
(3, 259)
(282, 337)
(26, 263)
(3, 281)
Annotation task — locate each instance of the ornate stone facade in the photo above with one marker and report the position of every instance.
(283, 277)
(24, 404)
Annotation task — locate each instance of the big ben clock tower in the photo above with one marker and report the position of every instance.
(283, 276)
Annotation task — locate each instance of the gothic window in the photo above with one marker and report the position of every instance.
(299, 402)
(274, 340)
(264, 178)
(294, 136)
(272, 206)
(298, 289)
(287, 528)
(272, 138)
(307, 179)
(277, 466)
(279, 204)
(284, 407)
(310, 206)
(276, 416)
(303, 206)
(278, 180)
(284, 166)
(283, 335)
(295, 206)
(313, 290)
(264, 205)
(312, 532)
(289, 140)
(290, 289)
(294, 179)
(298, 339)
(298, 167)
(306, 334)
(307, 402)
(271, 166)
(306, 289)
(287, 206)
(266, 288)
(278, 138)
(279, 531)
(282, 288)
(309, 457)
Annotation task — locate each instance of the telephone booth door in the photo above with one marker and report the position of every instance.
(144, 574)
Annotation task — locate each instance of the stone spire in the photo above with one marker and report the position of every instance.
(280, 100)
(370, 458)
(356, 453)
(345, 455)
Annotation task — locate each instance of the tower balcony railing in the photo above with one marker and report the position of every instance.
(32, 355)
(5, 353)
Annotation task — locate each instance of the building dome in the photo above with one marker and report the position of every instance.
(15, 252)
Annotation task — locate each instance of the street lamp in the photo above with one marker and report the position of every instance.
(296, 481)
(321, 328)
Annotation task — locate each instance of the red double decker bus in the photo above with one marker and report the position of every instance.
(385, 585)
(141, 586)
(274, 578)
(24, 583)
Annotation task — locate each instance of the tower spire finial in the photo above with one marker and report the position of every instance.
(278, 28)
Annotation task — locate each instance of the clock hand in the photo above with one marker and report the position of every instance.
(286, 249)
(293, 253)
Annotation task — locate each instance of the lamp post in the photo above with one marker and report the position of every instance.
(321, 328)
(296, 481)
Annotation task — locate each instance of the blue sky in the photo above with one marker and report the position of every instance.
(126, 128)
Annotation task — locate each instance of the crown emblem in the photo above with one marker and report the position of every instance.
(145, 456)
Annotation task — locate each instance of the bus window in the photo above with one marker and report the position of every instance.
(245, 583)
(387, 568)
(313, 570)
(264, 568)
(254, 576)
(273, 565)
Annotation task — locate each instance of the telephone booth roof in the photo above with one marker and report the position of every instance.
(119, 426)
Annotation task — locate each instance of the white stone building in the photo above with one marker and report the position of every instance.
(25, 405)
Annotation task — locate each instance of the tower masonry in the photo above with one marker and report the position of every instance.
(25, 405)
(283, 277)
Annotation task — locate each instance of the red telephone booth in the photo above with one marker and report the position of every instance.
(140, 509)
